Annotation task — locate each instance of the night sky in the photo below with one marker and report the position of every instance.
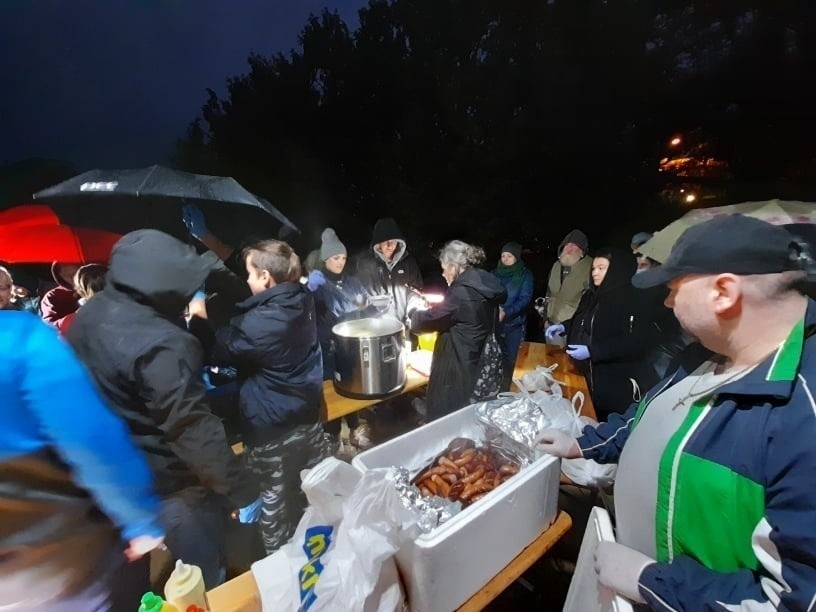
(113, 83)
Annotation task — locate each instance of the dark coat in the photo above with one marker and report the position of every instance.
(275, 347)
(150, 369)
(396, 279)
(463, 320)
(618, 326)
(337, 301)
(519, 295)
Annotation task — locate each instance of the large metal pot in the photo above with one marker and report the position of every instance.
(369, 357)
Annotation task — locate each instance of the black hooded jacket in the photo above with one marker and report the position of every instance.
(149, 368)
(463, 320)
(395, 278)
(615, 322)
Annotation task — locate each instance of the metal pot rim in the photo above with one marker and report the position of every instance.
(370, 327)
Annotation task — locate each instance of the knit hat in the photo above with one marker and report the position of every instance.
(330, 244)
(576, 237)
(386, 229)
(514, 248)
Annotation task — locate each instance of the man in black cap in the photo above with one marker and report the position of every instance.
(714, 496)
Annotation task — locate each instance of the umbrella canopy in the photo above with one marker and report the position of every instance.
(124, 200)
(47, 243)
(777, 212)
(28, 215)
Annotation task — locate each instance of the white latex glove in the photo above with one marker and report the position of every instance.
(141, 545)
(556, 442)
(619, 568)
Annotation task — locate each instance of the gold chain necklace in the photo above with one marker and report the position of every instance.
(696, 391)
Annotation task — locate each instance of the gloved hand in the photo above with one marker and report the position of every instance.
(579, 352)
(316, 280)
(141, 545)
(250, 513)
(556, 442)
(194, 220)
(555, 330)
(619, 568)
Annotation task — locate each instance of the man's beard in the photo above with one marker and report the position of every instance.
(568, 260)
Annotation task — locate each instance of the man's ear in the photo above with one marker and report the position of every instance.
(727, 294)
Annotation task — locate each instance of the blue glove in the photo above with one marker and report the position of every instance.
(578, 352)
(316, 280)
(250, 513)
(194, 220)
(555, 330)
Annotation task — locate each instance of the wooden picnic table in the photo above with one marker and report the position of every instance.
(241, 594)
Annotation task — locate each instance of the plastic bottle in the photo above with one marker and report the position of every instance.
(154, 603)
(185, 588)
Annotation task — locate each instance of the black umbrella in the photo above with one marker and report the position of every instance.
(124, 200)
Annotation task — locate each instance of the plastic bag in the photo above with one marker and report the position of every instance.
(587, 472)
(342, 554)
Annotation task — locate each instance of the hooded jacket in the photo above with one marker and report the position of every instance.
(734, 522)
(149, 367)
(464, 319)
(564, 293)
(60, 301)
(396, 278)
(275, 347)
(63, 457)
(615, 322)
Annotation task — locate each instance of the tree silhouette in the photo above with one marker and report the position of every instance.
(493, 120)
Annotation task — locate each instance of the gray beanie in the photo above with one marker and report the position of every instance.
(331, 245)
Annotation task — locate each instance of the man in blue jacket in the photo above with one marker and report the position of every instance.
(63, 457)
(714, 494)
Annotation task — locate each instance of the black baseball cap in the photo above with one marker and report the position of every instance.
(730, 243)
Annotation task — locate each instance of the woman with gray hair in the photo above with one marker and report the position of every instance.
(464, 321)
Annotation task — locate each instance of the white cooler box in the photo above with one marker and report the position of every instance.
(444, 568)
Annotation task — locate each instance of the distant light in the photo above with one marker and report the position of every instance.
(690, 198)
(675, 141)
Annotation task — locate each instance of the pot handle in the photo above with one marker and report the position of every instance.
(389, 351)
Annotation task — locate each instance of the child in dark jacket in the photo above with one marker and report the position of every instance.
(274, 344)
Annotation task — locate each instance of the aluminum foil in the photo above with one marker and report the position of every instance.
(513, 424)
(432, 511)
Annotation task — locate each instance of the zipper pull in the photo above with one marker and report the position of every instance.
(631, 320)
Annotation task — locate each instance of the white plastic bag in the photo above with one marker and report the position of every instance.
(341, 556)
(588, 472)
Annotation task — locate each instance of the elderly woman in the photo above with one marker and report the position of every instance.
(463, 320)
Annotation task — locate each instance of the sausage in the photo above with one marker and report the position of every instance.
(450, 478)
(474, 476)
(442, 487)
(508, 468)
(430, 485)
(426, 492)
(445, 462)
(466, 456)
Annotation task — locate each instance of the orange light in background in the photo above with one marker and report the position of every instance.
(690, 198)
(675, 141)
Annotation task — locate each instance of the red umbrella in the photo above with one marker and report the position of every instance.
(28, 215)
(47, 243)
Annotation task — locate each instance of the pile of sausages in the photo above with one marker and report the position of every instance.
(465, 472)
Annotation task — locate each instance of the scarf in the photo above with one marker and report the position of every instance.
(515, 273)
